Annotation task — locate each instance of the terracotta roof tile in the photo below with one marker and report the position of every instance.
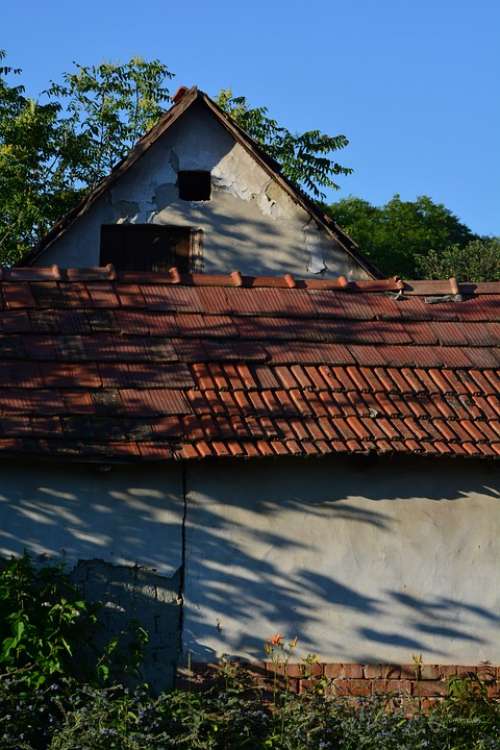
(482, 357)
(153, 367)
(233, 376)
(130, 295)
(15, 321)
(171, 298)
(18, 296)
(158, 401)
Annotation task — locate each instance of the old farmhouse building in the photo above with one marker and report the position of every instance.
(293, 446)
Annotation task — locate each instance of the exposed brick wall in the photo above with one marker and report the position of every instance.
(136, 594)
(419, 685)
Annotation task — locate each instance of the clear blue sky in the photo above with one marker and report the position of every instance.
(414, 84)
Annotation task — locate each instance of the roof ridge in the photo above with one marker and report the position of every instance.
(436, 287)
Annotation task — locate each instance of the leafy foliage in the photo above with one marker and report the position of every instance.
(38, 165)
(305, 158)
(232, 714)
(110, 106)
(51, 153)
(478, 260)
(47, 631)
(42, 619)
(62, 711)
(393, 236)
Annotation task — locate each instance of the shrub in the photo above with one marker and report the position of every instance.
(231, 714)
(42, 621)
(48, 631)
(47, 702)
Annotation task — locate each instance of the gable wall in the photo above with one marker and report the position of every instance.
(250, 224)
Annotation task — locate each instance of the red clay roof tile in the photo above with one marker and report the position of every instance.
(157, 366)
(17, 296)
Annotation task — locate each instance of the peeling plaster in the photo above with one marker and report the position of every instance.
(250, 223)
(313, 241)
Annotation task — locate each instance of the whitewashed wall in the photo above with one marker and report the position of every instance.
(250, 224)
(120, 534)
(362, 560)
(123, 516)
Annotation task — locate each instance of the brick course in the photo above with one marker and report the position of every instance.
(416, 686)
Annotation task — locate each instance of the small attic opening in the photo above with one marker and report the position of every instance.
(194, 185)
(150, 247)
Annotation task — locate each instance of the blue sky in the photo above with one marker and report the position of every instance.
(413, 84)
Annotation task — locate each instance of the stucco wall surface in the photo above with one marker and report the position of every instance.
(120, 533)
(364, 562)
(125, 516)
(250, 223)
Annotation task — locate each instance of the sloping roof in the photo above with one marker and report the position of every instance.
(182, 102)
(100, 366)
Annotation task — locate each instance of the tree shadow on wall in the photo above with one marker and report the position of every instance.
(314, 548)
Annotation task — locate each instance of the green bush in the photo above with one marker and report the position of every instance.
(42, 620)
(71, 716)
(47, 703)
(48, 631)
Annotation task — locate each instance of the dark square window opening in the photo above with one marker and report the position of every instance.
(150, 247)
(194, 186)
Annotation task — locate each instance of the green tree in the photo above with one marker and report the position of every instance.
(305, 158)
(393, 236)
(111, 106)
(479, 260)
(35, 188)
(53, 152)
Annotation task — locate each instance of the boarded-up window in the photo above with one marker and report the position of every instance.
(150, 247)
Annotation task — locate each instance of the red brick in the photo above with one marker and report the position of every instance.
(463, 671)
(295, 670)
(399, 687)
(373, 671)
(487, 673)
(333, 671)
(355, 687)
(426, 704)
(493, 690)
(447, 670)
(307, 685)
(391, 671)
(409, 671)
(429, 672)
(314, 669)
(429, 688)
(409, 706)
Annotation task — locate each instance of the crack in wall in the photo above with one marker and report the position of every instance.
(182, 569)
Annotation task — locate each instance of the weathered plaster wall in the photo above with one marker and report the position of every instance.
(366, 561)
(120, 533)
(250, 224)
(362, 561)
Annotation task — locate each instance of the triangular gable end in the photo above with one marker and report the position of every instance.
(258, 220)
